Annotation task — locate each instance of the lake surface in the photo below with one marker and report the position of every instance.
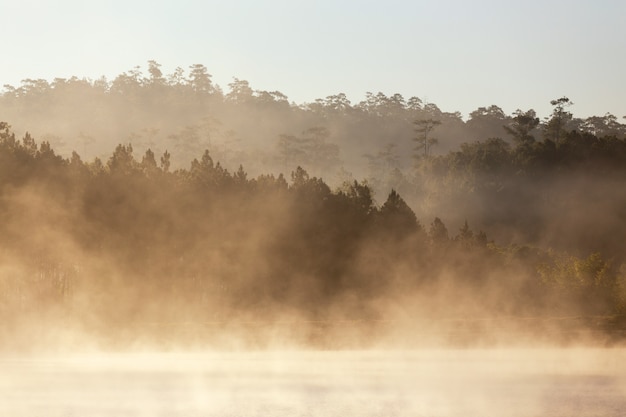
(482, 383)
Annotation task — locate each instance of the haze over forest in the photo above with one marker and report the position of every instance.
(161, 208)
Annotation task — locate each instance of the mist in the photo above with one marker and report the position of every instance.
(155, 222)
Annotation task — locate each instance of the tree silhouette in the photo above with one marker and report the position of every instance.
(555, 128)
(424, 141)
(397, 218)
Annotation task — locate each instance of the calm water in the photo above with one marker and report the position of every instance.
(581, 382)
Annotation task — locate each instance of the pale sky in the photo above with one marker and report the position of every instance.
(458, 54)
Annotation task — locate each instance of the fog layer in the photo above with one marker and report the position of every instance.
(387, 223)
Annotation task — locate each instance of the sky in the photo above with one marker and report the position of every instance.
(458, 54)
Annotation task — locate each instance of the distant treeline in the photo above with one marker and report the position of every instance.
(522, 178)
(186, 112)
(115, 243)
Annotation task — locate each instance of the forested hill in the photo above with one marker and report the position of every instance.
(491, 166)
(159, 198)
(124, 246)
(475, 170)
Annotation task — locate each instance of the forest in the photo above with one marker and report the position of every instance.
(160, 209)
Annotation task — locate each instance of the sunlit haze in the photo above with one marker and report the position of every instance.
(458, 54)
(320, 208)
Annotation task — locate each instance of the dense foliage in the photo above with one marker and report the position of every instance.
(128, 242)
(437, 161)
(497, 216)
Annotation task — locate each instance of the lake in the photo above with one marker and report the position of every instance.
(446, 382)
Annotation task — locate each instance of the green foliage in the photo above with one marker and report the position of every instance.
(592, 281)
